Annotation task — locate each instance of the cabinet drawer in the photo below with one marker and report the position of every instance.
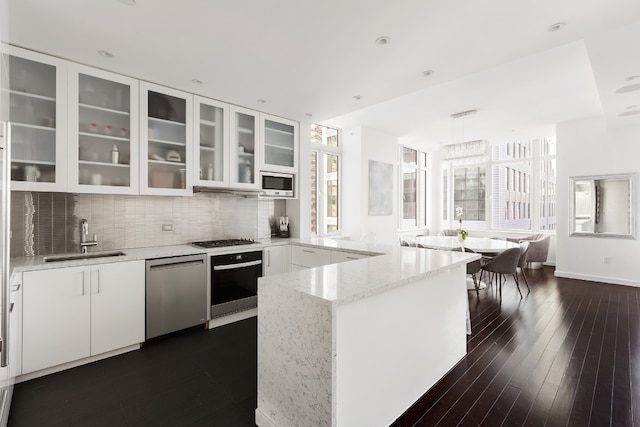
(309, 257)
(340, 256)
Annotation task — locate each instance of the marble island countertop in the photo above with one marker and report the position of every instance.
(388, 267)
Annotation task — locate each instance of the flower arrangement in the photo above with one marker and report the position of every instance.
(463, 234)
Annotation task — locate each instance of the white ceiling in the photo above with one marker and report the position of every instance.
(313, 57)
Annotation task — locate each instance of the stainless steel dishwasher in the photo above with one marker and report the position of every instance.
(176, 294)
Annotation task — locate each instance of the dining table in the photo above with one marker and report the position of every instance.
(483, 245)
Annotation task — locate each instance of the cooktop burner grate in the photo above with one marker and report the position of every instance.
(223, 242)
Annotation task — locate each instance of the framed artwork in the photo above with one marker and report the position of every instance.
(380, 188)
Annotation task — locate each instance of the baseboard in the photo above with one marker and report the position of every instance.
(590, 278)
(232, 317)
(69, 365)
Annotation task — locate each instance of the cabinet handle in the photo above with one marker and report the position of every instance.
(11, 307)
(99, 281)
(268, 258)
(83, 290)
(308, 251)
(15, 288)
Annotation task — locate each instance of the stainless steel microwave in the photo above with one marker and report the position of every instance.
(276, 185)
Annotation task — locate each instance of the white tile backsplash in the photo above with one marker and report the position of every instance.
(122, 222)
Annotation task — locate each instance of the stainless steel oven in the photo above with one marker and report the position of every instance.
(234, 282)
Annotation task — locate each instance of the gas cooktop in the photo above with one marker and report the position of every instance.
(223, 242)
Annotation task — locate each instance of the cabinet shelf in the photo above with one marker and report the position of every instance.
(33, 162)
(171, 122)
(205, 148)
(30, 95)
(166, 162)
(108, 110)
(103, 136)
(279, 147)
(28, 126)
(279, 131)
(162, 141)
(246, 131)
(245, 154)
(208, 123)
(113, 165)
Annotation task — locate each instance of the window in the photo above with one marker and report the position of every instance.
(522, 181)
(414, 188)
(325, 180)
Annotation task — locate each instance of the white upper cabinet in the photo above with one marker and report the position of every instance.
(245, 153)
(37, 96)
(279, 139)
(166, 138)
(103, 132)
(211, 137)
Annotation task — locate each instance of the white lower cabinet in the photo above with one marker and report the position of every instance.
(76, 312)
(275, 260)
(307, 257)
(340, 256)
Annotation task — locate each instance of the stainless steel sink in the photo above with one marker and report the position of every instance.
(76, 257)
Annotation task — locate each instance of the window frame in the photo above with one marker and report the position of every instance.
(421, 169)
(321, 151)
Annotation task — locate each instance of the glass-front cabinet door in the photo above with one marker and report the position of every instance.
(211, 136)
(103, 132)
(244, 148)
(37, 89)
(279, 138)
(166, 134)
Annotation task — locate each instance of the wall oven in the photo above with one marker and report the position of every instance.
(234, 282)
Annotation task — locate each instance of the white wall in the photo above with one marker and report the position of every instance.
(588, 147)
(359, 146)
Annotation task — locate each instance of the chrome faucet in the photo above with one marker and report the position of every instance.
(84, 232)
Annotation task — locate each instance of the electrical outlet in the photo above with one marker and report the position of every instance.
(606, 260)
(167, 227)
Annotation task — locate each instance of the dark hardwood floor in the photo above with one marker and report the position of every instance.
(568, 353)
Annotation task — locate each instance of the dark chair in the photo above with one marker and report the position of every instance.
(538, 247)
(505, 262)
(473, 268)
(522, 262)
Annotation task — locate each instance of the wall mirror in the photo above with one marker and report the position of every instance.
(602, 206)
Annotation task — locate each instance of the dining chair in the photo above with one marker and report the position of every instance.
(522, 262)
(505, 262)
(473, 268)
(448, 232)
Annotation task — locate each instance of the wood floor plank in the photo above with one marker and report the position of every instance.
(622, 404)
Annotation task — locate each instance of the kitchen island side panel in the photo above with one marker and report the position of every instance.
(390, 348)
(294, 357)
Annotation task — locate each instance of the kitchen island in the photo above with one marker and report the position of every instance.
(357, 343)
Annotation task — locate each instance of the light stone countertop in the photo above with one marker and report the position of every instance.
(387, 267)
(350, 281)
(20, 264)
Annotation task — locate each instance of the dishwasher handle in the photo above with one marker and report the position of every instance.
(160, 264)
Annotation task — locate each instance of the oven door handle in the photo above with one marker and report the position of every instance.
(234, 266)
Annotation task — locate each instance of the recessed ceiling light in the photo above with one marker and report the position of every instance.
(106, 54)
(556, 27)
(357, 97)
(128, 2)
(630, 88)
(262, 101)
(629, 113)
(631, 107)
(197, 81)
(628, 79)
(309, 115)
(427, 73)
(381, 41)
